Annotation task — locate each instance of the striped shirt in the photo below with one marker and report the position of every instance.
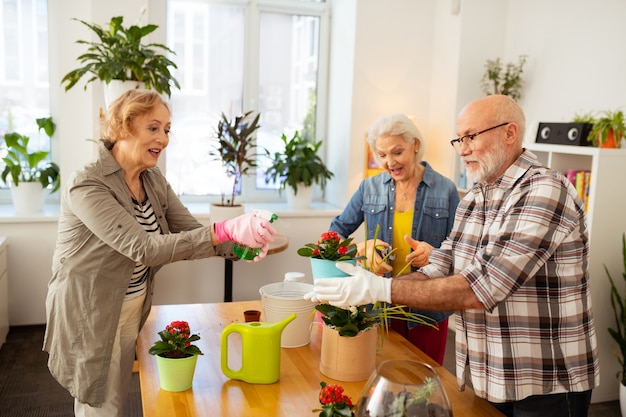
(147, 219)
(522, 244)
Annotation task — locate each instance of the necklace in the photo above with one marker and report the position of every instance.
(135, 197)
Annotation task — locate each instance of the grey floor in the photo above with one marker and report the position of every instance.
(28, 390)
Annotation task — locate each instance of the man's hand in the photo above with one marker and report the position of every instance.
(419, 256)
(361, 287)
(374, 261)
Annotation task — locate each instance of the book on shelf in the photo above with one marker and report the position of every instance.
(580, 178)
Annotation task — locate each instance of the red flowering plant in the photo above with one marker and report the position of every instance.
(331, 247)
(176, 341)
(334, 402)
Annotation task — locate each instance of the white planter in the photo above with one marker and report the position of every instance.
(299, 201)
(28, 198)
(116, 88)
(622, 399)
(219, 213)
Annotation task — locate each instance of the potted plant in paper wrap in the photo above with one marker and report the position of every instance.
(618, 333)
(349, 335)
(297, 169)
(237, 150)
(121, 60)
(29, 172)
(176, 356)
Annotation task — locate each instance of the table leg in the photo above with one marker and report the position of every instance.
(228, 280)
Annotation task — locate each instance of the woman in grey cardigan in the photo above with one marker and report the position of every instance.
(119, 223)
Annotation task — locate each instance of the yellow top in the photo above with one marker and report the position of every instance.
(402, 225)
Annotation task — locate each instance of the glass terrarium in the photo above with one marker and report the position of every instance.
(401, 388)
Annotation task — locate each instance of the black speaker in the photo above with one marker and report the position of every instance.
(564, 133)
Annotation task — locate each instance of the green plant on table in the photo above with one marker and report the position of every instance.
(176, 341)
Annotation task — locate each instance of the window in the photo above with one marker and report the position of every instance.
(24, 86)
(267, 56)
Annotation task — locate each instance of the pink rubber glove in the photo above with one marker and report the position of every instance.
(247, 229)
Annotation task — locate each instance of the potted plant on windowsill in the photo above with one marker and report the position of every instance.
(120, 57)
(608, 129)
(29, 173)
(237, 150)
(297, 168)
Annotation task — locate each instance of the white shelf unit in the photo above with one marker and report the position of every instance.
(606, 217)
(4, 292)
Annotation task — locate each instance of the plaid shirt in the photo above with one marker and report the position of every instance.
(522, 245)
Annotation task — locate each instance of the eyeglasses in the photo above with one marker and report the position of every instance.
(458, 142)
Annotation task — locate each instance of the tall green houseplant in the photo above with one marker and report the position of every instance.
(236, 148)
(120, 55)
(618, 303)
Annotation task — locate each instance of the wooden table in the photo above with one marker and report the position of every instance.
(294, 395)
(279, 244)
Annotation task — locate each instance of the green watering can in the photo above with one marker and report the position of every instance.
(260, 351)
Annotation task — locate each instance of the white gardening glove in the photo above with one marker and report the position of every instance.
(361, 287)
(247, 229)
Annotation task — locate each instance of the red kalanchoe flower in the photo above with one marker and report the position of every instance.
(176, 341)
(334, 402)
(331, 247)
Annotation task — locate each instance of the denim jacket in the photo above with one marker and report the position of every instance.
(373, 203)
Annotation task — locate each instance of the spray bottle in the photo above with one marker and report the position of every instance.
(246, 252)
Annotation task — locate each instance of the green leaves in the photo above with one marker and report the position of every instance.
(608, 121)
(618, 303)
(120, 55)
(176, 341)
(298, 164)
(507, 80)
(237, 146)
(24, 166)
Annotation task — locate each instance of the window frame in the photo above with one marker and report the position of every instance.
(252, 15)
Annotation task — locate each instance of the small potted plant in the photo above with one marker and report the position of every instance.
(236, 148)
(608, 129)
(298, 167)
(503, 80)
(328, 250)
(120, 56)
(176, 356)
(30, 173)
(618, 333)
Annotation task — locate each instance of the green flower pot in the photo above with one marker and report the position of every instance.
(176, 375)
